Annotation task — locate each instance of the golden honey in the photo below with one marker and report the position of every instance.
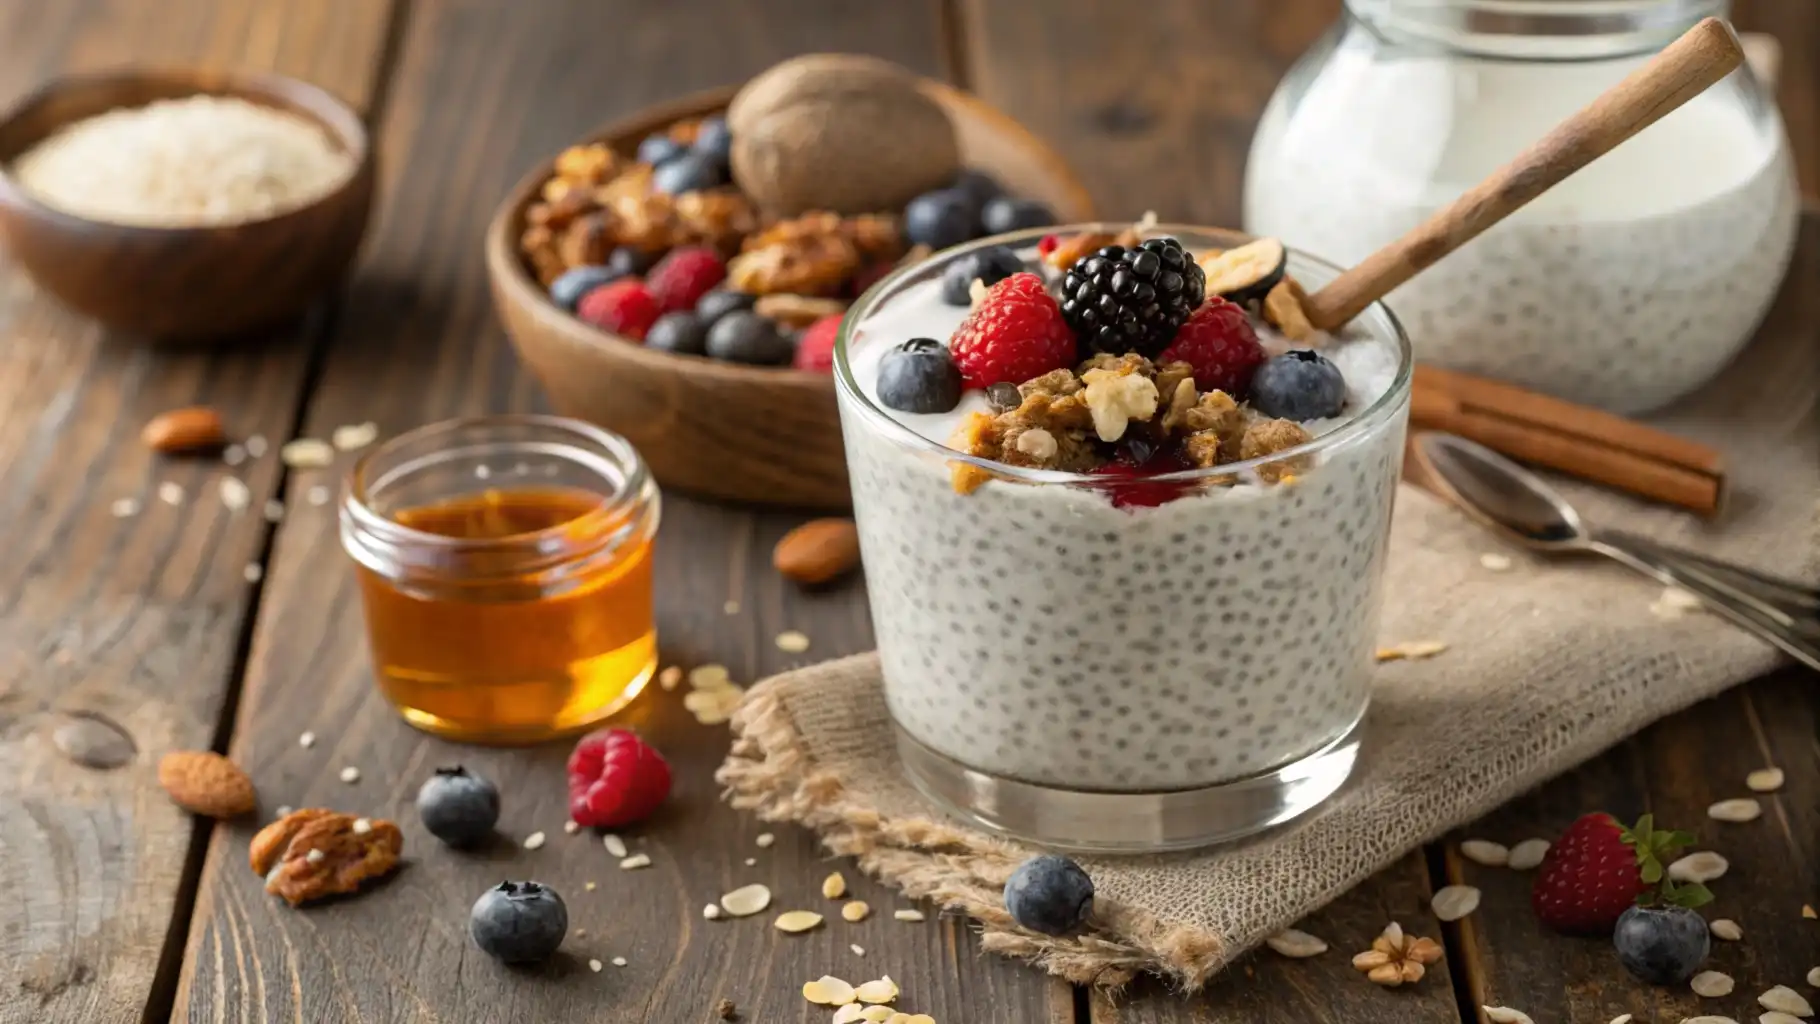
(507, 591)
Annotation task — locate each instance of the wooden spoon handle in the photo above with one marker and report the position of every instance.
(1705, 54)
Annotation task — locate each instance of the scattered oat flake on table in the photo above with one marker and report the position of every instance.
(792, 641)
(765, 839)
(274, 510)
(317, 495)
(589, 886)
(255, 445)
(1725, 928)
(908, 915)
(834, 886)
(707, 677)
(1778, 1017)
(1506, 1015)
(1711, 984)
(881, 991)
(350, 774)
(731, 607)
(1783, 999)
(828, 991)
(711, 912)
(581, 933)
(233, 454)
(354, 436)
(570, 827)
(857, 949)
(849, 1013)
(306, 739)
(1486, 852)
(615, 845)
(855, 911)
(618, 961)
(1452, 902)
(1674, 603)
(1813, 977)
(1413, 651)
(636, 861)
(669, 677)
(1765, 780)
(170, 492)
(1707, 1019)
(1703, 866)
(1622, 1018)
(1495, 562)
(534, 841)
(1807, 911)
(595, 966)
(124, 508)
(751, 862)
(253, 572)
(1297, 945)
(235, 495)
(306, 453)
(1527, 854)
(797, 921)
(746, 900)
(1740, 809)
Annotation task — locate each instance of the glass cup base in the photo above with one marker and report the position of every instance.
(1108, 822)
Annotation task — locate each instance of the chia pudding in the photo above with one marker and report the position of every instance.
(1626, 286)
(1164, 610)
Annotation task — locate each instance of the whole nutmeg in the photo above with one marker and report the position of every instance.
(839, 132)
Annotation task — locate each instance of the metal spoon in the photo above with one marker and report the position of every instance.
(1519, 505)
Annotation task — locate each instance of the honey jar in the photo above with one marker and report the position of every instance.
(505, 569)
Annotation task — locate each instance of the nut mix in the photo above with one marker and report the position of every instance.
(604, 217)
(315, 853)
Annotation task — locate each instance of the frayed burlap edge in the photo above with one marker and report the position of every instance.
(769, 772)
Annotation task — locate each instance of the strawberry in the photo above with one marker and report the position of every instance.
(1598, 869)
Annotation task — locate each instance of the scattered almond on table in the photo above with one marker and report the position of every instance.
(818, 551)
(193, 429)
(203, 782)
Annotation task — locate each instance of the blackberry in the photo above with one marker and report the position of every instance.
(1121, 300)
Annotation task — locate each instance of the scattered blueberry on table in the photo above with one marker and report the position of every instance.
(458, 807)
(1049, 894)
(519, 922)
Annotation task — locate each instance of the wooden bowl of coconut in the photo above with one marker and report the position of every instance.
(184, 205)
(823, 153)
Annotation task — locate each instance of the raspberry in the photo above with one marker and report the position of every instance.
(623, 307)
(1048, 244)
(679, 280)
(615, 778)
(1222, 346)
(1128, 484)
(1015, 333)
(816, 349)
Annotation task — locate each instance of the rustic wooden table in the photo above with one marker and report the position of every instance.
(120, 908)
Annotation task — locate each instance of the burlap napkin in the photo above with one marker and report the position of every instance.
(1548, 664)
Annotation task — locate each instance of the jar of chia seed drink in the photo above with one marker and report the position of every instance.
(1117, 655)
(1628, 285)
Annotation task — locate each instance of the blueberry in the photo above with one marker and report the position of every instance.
(1661, 945)
(939, 219)
(919, 376)
(720, 302)
(714, 140)
(991, 265)
(1004, 214)
(1298, 385)
(979, 186)
(745, 337)
(688, 172)
(657, 148)
(575, 282)
(518, 922)
(458, 807)
(1049, 894)
(628, 260)
(678, 332)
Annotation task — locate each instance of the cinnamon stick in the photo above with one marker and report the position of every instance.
(1569, 438)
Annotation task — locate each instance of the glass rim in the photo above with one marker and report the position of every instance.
(1380, 410)
(1543, 31)
(358, 512)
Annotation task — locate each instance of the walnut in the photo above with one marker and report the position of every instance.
(1396, 959)
(1170, 374)
(875, 235)
(1130, 362)
(1055, 383)
(1057, 413)
(634, 181)
(1117, 397)
(538, 244)
(576, 203)
(645, 222)
(1267, 437)
(717, 217)
(313, 853)
(587, 164)
(810, 255)
(1073, 247)
(588, 240)
(1285, 308)
(797, 310)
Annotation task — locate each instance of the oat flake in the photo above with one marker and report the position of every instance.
(1495, 562)
(1711, 984)
(1452, 902)
(595, 966)
(1703, 866)
(1778, 1017)
(1813, 977)
(350, 775)
(1707, 1019)
(619, 961)
(1528, 854)
(912, 916)
(707, 677)
(1786, 1000)
(1622, 1018)
(669, 677)
(765, 839)
(534, 841)
(746, 900)
(589, 887)
(354, 436)
(711, 912)
(792, 641)
(828, 991)
(834, 886)
(253, 572)
(306, 740)
(857, 949)
(797, 921)
(235, 495)
(1297, 945)
(1725, 928)
(1741, 809)
(1808, 912)
(1764, 780)
(751, 862)
(170, 493)
(1506, 1015)
(305, 453)
(124, 508)
(570, 827)
(1486, 852)
(636, 861)
(855, 911)
(615, 845)
(849, 1013)
(881, 991)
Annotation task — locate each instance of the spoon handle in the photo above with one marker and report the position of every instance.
(1795, 598)
(1741, 614)
(1704, 55)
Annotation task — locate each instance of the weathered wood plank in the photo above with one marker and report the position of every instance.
(134, 619)
(483, 90)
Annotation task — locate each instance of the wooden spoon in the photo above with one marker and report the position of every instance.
(1705, 54)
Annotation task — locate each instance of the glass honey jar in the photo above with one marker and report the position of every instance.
(505, 569)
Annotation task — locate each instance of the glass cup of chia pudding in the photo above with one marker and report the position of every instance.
(1124, 515)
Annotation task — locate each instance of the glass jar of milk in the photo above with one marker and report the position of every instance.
(1626, 286)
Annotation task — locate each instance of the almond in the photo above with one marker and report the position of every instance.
(205, 783)
(818, 551)
(196, 428)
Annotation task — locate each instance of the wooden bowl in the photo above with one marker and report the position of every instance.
(184, 283)
(762, 435)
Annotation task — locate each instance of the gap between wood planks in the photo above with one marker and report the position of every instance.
(319, 329)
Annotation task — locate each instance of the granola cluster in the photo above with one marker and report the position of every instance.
(814, 254)
(1076, 420)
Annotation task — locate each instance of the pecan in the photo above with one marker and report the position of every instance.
(314, 853)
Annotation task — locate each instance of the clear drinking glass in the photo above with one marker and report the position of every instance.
(1097, 677)
(505, 571)
(1626, 286)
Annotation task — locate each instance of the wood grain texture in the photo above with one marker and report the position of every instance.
(136, 620)
(1796, 27)
(483, 90)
